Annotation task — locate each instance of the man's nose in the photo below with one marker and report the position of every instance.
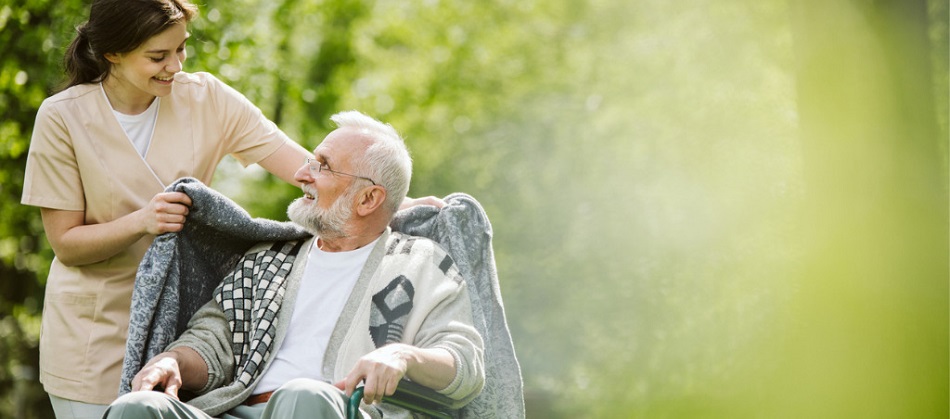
(303, 174)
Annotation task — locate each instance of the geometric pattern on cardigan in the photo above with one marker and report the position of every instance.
(390, 310)
(256, 285)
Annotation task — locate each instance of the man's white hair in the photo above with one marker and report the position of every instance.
(386, 161)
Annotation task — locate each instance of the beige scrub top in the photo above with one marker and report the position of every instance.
(80, 159)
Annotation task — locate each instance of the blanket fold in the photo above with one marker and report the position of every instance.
(181, 270)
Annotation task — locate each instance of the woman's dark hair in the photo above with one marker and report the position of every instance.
(118, 26)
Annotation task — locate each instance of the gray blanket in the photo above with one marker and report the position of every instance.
(180, 271)
(463, 229)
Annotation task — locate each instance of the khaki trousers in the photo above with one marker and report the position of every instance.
(299, 398)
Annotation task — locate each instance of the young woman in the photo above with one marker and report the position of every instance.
(103, 150)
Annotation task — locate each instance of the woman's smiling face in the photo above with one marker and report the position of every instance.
(149, 70)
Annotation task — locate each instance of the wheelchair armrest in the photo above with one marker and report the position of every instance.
(412, 397)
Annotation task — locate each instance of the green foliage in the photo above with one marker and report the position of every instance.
(644, 165)
(32, 36)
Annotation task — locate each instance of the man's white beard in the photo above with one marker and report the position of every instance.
(326, 223)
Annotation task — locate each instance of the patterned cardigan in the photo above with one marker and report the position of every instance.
(409, 291)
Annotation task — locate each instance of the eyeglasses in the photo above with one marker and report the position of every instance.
(316, 167)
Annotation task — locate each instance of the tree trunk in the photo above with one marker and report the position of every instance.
(871, 335)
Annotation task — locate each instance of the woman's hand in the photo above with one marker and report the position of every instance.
(425, 200)
(165, 213)
(77, 243)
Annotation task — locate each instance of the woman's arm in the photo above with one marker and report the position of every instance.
(77, 243)
(284, 162)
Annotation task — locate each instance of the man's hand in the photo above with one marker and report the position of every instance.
(380, 372)
(161, 371)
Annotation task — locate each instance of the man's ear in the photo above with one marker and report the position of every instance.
(370, 200)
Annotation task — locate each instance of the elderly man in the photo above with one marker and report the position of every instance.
(297, 326)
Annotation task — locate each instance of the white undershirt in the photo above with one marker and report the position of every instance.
(327, 281)
(139, 128)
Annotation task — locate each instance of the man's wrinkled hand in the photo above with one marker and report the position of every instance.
(162, 372)
(379, 371)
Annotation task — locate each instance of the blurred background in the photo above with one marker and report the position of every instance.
(702, 209)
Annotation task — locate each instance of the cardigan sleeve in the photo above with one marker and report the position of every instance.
(465, 344)
(448, 324)
(209, 335)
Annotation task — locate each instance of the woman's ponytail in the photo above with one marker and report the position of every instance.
(81, 62)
